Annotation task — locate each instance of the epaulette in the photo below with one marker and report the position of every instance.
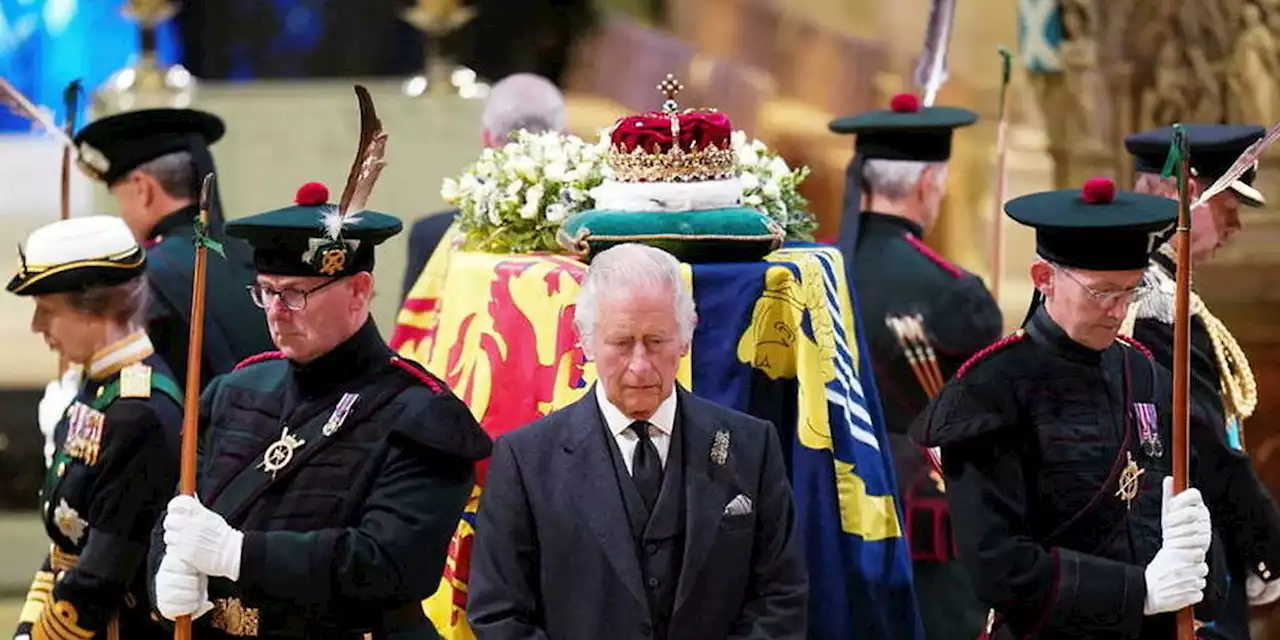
(137, 380)
(1142, 348)
(928, 252)
(988, 350)
(421, 375)
(261, 357)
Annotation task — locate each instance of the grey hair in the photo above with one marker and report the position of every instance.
(523, 101)
(895, 179)
(630, 267)
(174, 171)
(124, 303)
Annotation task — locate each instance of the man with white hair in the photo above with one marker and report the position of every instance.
(639, 511)
(521, 101)
(900, 164)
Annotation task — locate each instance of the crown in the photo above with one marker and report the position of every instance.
(672, 145)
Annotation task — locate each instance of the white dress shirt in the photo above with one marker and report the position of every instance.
(661, 425)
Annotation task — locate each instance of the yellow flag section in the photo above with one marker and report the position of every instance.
(799, 329)
(499, 330)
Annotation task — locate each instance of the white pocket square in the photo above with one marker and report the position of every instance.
(739, 506)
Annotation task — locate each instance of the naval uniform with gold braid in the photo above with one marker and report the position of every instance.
(347, 476)
(1222, 385)
(1054, 454)
(117, 463)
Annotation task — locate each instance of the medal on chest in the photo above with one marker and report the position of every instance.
(280, 453)
(1148, 429)
(84, 433)
(1129, 481)
(339, 414)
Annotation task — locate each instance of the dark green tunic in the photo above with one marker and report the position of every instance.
(234, 327)
(116, 466)
(896, 274)
(1035, 439)
(352, 533)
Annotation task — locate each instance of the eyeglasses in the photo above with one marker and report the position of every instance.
(1110, 297)
(293, 299)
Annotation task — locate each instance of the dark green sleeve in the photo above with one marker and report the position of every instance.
(395, 554)
(137, 475)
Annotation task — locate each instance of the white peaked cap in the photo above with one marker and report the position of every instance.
(75, 254)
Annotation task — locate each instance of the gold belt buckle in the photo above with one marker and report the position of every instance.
(231, 617)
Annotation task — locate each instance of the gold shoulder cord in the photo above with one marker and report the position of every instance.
(1238, 388)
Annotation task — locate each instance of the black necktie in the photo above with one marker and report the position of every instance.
(646, 466)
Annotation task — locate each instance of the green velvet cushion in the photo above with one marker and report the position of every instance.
(716, 235)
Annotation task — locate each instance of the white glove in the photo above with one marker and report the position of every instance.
(1184, 520)
(181, 590)
(1261, 592)
(202, 538)
(1175, 580)
(58, 395)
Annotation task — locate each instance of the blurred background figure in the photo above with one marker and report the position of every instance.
(521, 101)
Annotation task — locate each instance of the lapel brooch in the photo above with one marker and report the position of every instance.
(720, 447)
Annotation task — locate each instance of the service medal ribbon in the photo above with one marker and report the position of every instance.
(1148, 429)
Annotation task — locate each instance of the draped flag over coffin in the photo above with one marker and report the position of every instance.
(774, 338)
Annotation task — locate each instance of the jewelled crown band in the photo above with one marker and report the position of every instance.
(672, 145)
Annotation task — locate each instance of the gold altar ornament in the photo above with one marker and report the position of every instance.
(440, 76)
(145, 83)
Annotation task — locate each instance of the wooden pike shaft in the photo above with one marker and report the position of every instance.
(191, 402)
(1181, 363)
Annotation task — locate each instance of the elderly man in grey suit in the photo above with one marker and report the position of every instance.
(640, 511)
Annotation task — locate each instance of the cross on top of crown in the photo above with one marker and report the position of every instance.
(670, 88)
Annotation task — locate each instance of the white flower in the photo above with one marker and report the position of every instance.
(532, 202)
(557, 212)
(449, 191)
(778, 168)
(752, 200)
(771, 190)
(749, 181)
(555, 170)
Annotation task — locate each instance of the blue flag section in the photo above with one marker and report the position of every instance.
(779, 339)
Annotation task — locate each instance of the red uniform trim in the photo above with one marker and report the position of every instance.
(421, 375)
(1142, 348)
(988, 350)
(928, 252)
(261, 357)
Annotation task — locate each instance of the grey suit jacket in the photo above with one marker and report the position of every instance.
(554, 556)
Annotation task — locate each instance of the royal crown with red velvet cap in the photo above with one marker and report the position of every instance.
(672, 145)
(1096, 227)
(679, 164)
(905, 131)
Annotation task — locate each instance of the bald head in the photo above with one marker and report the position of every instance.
(522, 101)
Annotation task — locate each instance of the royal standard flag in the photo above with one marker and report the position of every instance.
(775, 338)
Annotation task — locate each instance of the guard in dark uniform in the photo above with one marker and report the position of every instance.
(116, 150)
(898, 279)
(116, 459)
(1222, 383)
(1056, 445)
(333, 473)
